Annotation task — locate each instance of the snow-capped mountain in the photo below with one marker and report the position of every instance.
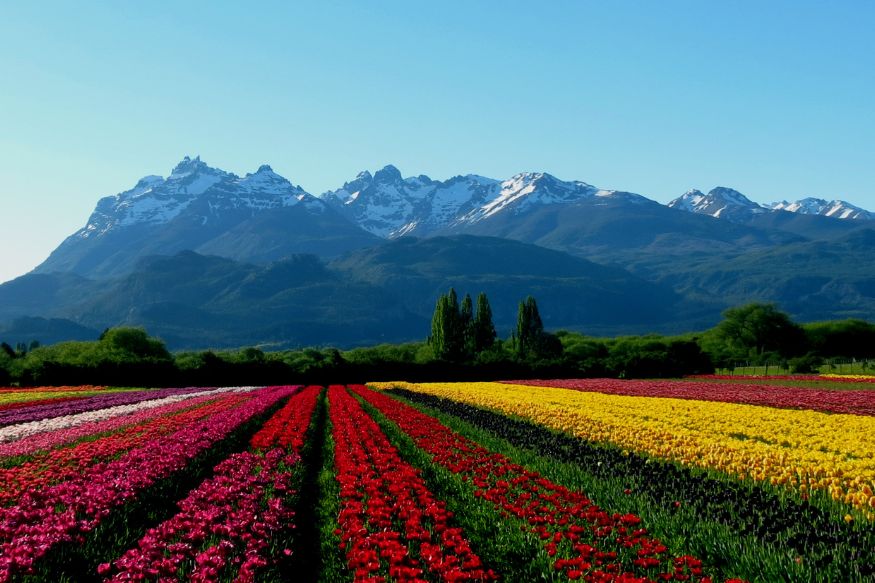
(156, 200)
(838, 209)
(730, 204)
(389, 206)
(262, 217)
(720, 202)
(257, 217)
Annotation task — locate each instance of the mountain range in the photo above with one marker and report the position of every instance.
(208, 258)
(727, 203)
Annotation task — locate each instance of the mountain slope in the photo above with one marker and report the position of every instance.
(39, 294)
(813, 280)
(381, 294)
(196, 301)
(720, 202)
(202, 209)
(618, 222)
(571, 291)
(838, 209)
(726, 203)
(205, 257)
(390, 206)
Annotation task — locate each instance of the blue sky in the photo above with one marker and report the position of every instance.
(772, 98)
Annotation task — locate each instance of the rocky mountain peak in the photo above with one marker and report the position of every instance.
(387, 175)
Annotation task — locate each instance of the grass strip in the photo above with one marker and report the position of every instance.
(315, 503)
(331, 561)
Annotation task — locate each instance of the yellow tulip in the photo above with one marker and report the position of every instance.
(829, 452)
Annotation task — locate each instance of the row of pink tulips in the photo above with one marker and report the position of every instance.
(63, 464)
(39, 410)
(228, 521)
(227, 524)
(140, 413)
(784, 397)
(833, 378)
(67, 511)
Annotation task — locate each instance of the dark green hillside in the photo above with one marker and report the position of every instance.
(39, 293)
(813, 280)
(45, 331)
(579, 293)
(624, 221)
(194, 300)
(271, 236)
(381, 294)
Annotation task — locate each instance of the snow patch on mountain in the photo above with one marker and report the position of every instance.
(720, 202)
(384, 203)
(723, 202)
(528, 189)
(156, 200)
(688, 201)
(390, 206)
(838, 209)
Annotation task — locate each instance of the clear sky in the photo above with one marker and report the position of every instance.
(773, 98)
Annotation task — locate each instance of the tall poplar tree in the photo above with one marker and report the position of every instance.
(529, 327)
(437, 338)
(466, 323)
(447, 332)
(483, 330)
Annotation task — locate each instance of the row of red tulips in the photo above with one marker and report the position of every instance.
(228, 526)
(585, 541)
(49, 390)
(850, 402)
(391, 526)
(66, 511)
(30, 403)
(287, 428)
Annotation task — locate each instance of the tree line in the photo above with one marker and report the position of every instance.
(458, 333)
(462, 345)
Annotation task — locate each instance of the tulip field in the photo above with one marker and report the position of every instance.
(704, 480)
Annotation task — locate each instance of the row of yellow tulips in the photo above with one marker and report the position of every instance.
(801, 449)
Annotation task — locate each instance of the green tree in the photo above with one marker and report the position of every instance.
(437, 338)
(5, 368)
(842, 338)
(8, 350)
(447, 337)
(466, 324)
(483, 330)
(532, 341)
(131, 345)
(756, 331)
(529, 326)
